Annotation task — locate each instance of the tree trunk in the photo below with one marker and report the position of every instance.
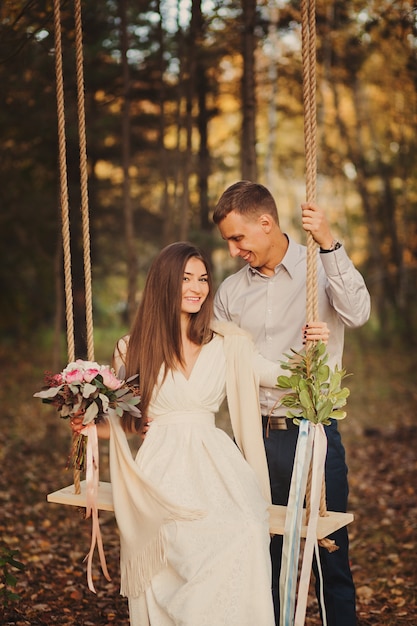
(248, 147)
(131, 256)
(202, 121)
(165, 206)
(203, 153)
(274, 51)
(190, 92)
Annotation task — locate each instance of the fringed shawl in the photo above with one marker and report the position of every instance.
(141, 510)
(242, 390)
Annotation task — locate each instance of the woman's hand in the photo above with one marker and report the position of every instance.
(315, 331)
(103, 427)
(76, 423)
(145, 428)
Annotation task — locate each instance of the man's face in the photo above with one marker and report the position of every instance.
(247, 237)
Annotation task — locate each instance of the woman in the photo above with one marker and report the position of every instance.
(192, 512)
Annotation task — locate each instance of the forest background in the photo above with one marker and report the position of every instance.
(181, 100)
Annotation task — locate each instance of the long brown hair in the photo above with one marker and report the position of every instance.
(155, 337)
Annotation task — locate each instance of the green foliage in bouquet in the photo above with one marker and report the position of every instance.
(316, 392)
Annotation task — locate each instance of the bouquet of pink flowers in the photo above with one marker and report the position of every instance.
(88, 390)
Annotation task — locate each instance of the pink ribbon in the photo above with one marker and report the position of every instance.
(92, 476)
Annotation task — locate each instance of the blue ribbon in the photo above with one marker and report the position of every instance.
(293, 523)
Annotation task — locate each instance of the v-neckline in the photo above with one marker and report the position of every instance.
(187, 379)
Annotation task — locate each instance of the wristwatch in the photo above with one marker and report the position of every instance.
(335, 246)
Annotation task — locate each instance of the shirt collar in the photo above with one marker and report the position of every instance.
(289, 261)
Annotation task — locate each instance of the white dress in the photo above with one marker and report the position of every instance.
(218, 570)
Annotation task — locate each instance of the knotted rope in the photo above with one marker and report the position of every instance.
(308, 23)
(84, 180)
(310, 141)
(62, 148)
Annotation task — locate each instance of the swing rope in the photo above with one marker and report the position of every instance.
(310, 134)
(84, 181)
(308, 23)
(64, 191)
(63, 183)
(308, 471)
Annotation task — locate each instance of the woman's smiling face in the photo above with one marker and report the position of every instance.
(195, 286)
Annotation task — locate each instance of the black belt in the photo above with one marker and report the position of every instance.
(273, 422)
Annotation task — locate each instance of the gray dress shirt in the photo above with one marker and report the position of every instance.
(273, 308)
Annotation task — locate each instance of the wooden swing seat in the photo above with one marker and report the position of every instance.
(325, 526)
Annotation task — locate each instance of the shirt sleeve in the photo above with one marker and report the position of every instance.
(346, 288)
(220, 308)
(267, 371)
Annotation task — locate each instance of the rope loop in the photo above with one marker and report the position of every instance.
(65, 211)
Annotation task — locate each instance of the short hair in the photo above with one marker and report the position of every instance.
(246, 198)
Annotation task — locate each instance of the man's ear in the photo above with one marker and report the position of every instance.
(266, 222)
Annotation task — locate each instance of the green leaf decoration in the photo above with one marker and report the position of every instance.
(324, 411)
(284, 382)
(305, 399)
(90, 413)
(48, 393)
(104, 401)
(314, 391)
(323, 373)
(89, 390)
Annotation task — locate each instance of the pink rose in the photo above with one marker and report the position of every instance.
(110, 380)
(90, 374)
(74, 376)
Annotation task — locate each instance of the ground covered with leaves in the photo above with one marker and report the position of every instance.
(52, 540)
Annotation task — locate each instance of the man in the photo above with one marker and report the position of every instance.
(267, 297)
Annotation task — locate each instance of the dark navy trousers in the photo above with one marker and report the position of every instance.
(339, 590)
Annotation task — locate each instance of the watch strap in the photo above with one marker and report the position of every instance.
(335, 246)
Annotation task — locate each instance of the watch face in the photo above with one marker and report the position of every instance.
(335, 246)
